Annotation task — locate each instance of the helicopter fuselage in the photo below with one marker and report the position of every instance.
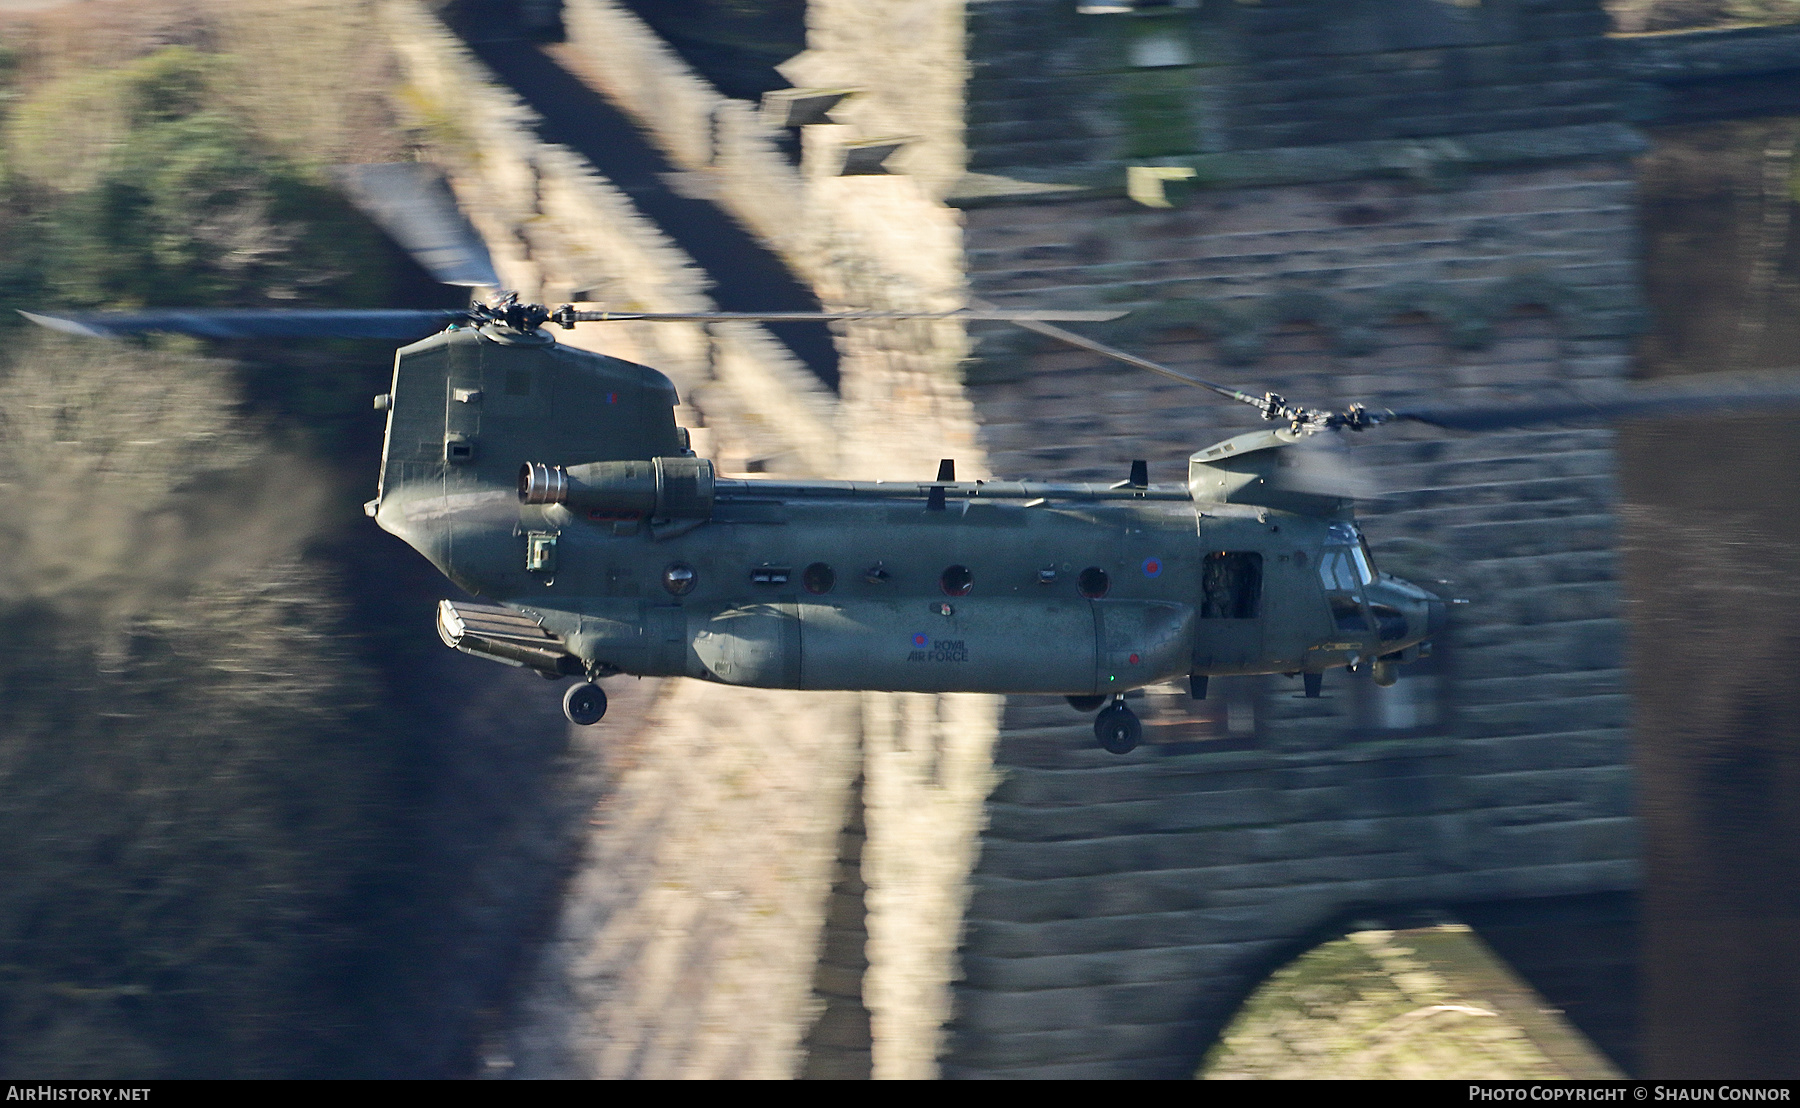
(1006, 588)
(644, 562)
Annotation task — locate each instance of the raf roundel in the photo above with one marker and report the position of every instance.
(921, 641)
(1152, 567)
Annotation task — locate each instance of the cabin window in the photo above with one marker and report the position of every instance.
(957, 581)
(1231, 585)
(1092, 583)
(818, 578)
(679, 578)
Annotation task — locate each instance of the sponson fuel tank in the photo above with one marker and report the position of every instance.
(1000, 644)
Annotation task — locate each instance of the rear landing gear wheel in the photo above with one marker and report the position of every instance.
(1117, 729)
(1085, 703)
(585, 704)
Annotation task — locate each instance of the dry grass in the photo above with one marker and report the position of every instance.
(310, 77)
(174, 691)
(254, 820)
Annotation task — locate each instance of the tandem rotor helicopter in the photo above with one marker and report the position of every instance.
(555, 483)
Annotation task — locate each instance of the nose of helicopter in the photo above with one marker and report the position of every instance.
(1437, 618)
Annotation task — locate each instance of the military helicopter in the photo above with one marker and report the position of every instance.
(555, 482)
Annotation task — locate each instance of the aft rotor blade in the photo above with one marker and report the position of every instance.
(976, 315)
(257, 323)
(413, 203)
(1708, 395)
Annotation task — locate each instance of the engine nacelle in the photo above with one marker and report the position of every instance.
(658, 488)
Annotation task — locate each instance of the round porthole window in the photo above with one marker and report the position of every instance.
(1093, 582)
(818, 578)
(957, 581)
(679, 578)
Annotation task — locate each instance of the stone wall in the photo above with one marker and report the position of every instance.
(1121, 904)
(725, 143)
(1282, 90)
(1275, 74)
(906, 64)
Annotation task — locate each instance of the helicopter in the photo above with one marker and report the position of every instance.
(554, 483)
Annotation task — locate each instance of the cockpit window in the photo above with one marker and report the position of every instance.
(1337, 571)
(1345, 563)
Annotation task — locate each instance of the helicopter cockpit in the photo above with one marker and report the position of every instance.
(1346, 570)
(1384, 611)
(1345, 564)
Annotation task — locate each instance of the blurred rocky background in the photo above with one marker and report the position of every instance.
(255, 821)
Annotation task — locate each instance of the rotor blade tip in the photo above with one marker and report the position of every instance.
(66, 326)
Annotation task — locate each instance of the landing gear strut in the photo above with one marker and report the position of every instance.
(585, 703)
(1117, 728)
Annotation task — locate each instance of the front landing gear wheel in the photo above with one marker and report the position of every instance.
(584, 704)
(1117, 728)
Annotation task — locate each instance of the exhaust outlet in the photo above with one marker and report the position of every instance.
(542, 484)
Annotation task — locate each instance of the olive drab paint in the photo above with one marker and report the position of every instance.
(554, 482)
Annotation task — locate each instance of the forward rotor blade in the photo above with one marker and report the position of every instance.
(1113, 352)
(978, 315)
(258, 323)
(413, 203)
(1707, 395)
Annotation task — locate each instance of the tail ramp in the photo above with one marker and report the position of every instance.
(504, 635)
